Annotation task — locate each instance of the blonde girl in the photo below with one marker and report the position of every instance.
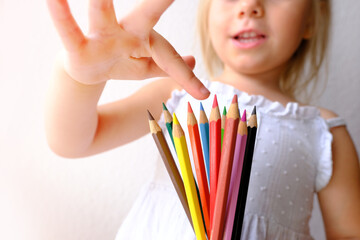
(257, 49)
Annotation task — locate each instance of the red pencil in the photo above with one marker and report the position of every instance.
(199, 165)
(215, 153)
(227, 156)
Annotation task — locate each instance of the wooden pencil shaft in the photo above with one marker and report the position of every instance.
(188, 178)
(244, 184)
(227, 156)
(215, 154)
(168, 123)
(172, 171)
(224, 177)
(203, 118)
(204, 133)
(199, 167)
(167, 116)
(235, 178)
(194, 136)
(169, 162)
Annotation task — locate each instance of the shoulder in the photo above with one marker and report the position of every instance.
(327, 114)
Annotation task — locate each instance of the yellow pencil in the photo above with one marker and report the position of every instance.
(188, 178)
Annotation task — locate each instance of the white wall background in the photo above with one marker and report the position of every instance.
(43, 196)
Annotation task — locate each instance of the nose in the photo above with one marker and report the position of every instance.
(251, 8)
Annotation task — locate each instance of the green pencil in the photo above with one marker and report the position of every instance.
(223, 120)
(168, 122)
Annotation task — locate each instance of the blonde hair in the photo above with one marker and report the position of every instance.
(303, 67)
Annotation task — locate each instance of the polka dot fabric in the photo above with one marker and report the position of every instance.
(292, 161)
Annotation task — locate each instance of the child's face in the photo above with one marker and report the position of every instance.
(258, 36)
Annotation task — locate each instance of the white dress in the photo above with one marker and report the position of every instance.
(291, 162)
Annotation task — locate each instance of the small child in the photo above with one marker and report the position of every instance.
(258, 50)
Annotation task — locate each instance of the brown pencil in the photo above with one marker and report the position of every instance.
(227, 156)
(169, 162)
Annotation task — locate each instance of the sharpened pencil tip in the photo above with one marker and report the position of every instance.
(201, 107)
(175, 120)
(215, 103)
(224, 111)
(243, 118)
(189, 108)
(150, 116)
(234, 100)
(254, 111)
(164, 106)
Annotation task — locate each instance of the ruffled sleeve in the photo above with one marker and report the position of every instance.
(325, 164)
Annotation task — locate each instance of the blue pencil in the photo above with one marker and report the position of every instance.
(204, 132)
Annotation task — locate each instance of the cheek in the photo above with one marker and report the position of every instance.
(216, 29)
(218, 24)
(289, 31)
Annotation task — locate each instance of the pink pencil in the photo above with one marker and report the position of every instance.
(235, 176)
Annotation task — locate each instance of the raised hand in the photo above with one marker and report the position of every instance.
(124, 49)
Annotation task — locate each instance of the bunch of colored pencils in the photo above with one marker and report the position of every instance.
(222, 150)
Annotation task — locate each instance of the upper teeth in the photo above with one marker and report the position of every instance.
(248, 35)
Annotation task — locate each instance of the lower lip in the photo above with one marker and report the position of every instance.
(248, 45)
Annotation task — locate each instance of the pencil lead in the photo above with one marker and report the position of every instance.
(201, 107)
(175, 120)
(243, 118)
(150, 116)
(224, 111)
(254, 111)
(189, 108)
(215, 103)
(164, 107)
(234, 100)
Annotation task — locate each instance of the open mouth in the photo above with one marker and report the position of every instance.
(248, 37)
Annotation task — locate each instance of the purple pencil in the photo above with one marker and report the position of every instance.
(235, 176)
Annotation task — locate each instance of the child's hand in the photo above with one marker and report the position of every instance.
(125, 49)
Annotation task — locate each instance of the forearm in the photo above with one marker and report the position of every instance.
(71, 113)
(349, 238)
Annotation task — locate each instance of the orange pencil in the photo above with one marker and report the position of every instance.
(215, 153)
(199, 165)
(227, 156)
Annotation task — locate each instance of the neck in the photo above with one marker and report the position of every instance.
(265, 84)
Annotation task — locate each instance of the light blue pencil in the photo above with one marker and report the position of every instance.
(204, 132)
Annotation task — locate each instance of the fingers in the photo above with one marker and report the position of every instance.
(101, 15)
(70, 33)
(190, 61)
(147, 68)
(144, 17)
(171, 62)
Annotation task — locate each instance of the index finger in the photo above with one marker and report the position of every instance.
(144, 17)
(172, 63)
